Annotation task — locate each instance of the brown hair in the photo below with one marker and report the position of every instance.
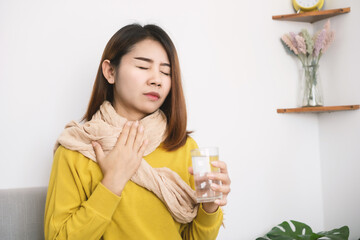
(174, 105)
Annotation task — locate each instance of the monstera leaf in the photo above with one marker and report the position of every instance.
(302, 231)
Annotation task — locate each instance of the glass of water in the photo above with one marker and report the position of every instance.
(201, 160)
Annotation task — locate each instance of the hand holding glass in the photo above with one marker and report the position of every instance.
(201, 160)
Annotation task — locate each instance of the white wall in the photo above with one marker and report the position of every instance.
(235, 71)
(340, 132)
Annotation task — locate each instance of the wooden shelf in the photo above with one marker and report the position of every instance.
(318, 109)
(311, 17)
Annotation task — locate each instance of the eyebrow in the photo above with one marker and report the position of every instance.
(151, 61)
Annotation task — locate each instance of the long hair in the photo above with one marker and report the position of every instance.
(174, 105)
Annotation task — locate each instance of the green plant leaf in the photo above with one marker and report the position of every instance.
(284, 231)
(336, 234)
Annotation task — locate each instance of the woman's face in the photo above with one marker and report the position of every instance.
(142, 81)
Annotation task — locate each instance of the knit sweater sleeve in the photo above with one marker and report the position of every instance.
(204, 226)
(71, 212)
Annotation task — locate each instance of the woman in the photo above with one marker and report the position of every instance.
(136, 112)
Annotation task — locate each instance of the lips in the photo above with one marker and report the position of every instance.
(152, 95)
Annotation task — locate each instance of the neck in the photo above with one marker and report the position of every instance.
(129, 115)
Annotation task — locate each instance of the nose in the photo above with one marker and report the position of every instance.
(155, 79)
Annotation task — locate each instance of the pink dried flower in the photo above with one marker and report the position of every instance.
(328, 40)
(327, 26)
(301, 46)
(293, 39)
(286, 39)
(319, 42)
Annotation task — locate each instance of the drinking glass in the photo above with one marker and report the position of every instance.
(201, 160)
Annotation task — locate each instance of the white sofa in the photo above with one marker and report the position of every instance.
(22, 213)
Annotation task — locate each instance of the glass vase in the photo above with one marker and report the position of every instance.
(311, 91)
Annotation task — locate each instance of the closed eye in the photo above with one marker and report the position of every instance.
(145, 68)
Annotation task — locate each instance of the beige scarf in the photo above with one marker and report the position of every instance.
(105, 127)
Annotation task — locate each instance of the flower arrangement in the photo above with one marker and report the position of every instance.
(309, 50)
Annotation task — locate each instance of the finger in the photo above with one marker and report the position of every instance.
(221, 202)
(143, 148)
(225, 189)
(223, 177)
(221, 165)
(191, 170)
(200, 178)
(139, 138)
(132, 134)
(124, 134)
(99, 153)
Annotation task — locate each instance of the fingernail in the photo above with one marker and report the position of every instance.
(214, 163)
(141, 128)
(129, 123)
(136, 123)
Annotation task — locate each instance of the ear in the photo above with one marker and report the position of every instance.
(108, 71)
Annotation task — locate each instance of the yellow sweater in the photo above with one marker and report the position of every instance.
(79, 207)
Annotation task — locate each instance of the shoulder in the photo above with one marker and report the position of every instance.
(190, 143)
(64, 156)
(64, 152)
